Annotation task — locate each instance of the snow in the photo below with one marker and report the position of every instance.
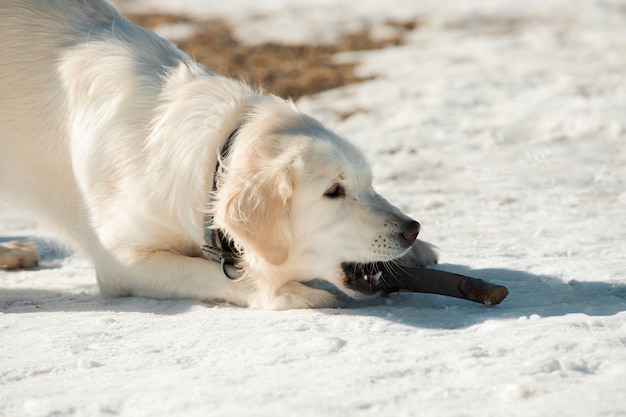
(501, 127)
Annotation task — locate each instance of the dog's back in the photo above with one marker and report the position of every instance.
(35, 165)
(54, 51)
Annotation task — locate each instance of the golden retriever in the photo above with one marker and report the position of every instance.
(113, 136)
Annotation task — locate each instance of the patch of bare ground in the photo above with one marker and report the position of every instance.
(289, 70)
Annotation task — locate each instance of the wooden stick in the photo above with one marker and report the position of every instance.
(426, 280)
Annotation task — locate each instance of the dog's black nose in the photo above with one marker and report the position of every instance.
(411, 230)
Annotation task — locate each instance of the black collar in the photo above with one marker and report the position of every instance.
(217, 247)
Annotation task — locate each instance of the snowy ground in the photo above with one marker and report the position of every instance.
(501, 127)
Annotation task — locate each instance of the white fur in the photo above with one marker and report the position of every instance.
(111, 135)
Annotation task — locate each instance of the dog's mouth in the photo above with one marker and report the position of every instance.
(363, 278)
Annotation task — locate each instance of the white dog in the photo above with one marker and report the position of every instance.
(114, 136)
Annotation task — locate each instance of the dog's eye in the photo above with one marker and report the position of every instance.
(336, 191)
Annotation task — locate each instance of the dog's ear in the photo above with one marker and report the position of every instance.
(253, 208)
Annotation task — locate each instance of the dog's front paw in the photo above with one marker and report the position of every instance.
(296, 295)
(18, 255)
(420, 254)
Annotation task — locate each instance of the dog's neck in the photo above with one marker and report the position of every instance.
(217, 247)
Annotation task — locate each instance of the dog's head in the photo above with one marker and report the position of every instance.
(298, 201)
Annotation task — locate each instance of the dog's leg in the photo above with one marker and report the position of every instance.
(421, 254)
(293, 295)
(167, 275)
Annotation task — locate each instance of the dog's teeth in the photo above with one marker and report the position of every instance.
(365, 277)
(378, 275)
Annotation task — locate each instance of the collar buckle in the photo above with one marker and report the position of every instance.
(224, 258)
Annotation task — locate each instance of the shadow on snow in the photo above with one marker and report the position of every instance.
(528, 294)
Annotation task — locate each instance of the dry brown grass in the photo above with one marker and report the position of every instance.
(289, 70)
